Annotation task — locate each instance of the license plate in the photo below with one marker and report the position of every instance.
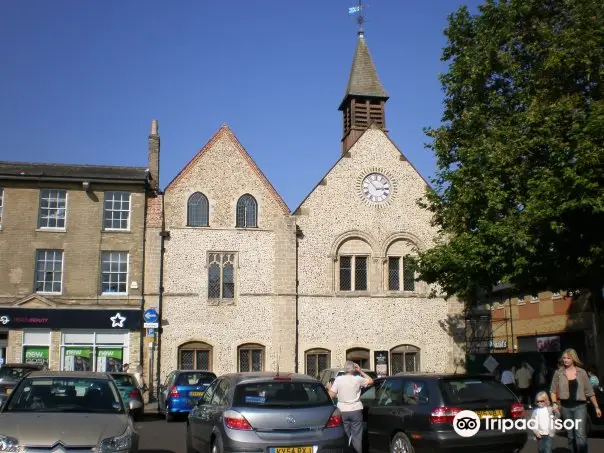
(496, 413)
(196, 393)
(291, 450)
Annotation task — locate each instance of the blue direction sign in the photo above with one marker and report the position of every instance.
(151, 315)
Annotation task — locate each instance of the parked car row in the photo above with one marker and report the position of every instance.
(293, 413)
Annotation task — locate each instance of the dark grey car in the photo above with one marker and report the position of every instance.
(11, 374)
(265, 412)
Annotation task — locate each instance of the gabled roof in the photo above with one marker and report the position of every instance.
(373, 126)
(225, 132)
(363, 79)
(32, 170)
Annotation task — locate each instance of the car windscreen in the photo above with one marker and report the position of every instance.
(13, 373)
(65, 394)
(195, 379)
(475, 389)
(124, 380)
(281, 393)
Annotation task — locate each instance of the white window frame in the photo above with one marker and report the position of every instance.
(25, 344)
(125, 345)
(49, 228)
(119, 210)
(36, 271)
(353, 273)
(251, 347)
(111, 293)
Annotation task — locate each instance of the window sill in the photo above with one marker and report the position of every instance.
(52, 230)
(353, 293)
(193, 227)
(45, 293)
(116, 231)
(114, 294)
(217, 302)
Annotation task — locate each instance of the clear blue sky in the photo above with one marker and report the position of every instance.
(81, 80)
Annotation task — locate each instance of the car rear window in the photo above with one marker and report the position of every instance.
(195, 379)
(469, 390)
(281, 393)
(124, 380)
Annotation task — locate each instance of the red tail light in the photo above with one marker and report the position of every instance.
(234, 420)
(174, 392)
(444, 414)
(334, 421)
(517, 410)
(136, 394)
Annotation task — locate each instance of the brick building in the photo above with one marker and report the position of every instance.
(547, 323)
(247, 285)
(71, 273)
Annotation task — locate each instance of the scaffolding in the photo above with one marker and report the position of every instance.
(481, 329)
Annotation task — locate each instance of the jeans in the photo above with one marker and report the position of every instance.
(577, 437)
(353, 425)
(544, 444)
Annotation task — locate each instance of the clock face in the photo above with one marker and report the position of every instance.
(376, 187)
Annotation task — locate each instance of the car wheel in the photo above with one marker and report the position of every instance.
(400, 444)
(217, 445)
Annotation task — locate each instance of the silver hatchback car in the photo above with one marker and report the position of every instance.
(265, 412)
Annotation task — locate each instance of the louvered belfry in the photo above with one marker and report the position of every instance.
(365, 98)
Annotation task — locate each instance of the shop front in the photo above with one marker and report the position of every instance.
(73, 339)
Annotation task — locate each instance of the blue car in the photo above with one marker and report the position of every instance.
(181, 390)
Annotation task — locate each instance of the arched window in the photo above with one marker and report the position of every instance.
(197, 210)
(317, 360)
(353, 268)
(404, 358)
(250, 357)
(360, 356)
(400, 275)
(195, 355)
(247, 212)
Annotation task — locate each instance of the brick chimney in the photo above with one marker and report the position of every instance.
(154, 155)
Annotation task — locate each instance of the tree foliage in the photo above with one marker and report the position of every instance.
(518, 193)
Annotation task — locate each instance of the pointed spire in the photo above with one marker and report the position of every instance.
(363, 79)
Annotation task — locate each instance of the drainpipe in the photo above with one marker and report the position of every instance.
(163, 234)
(299, 235)
(512, 325)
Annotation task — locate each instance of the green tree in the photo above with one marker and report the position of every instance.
(518, 193)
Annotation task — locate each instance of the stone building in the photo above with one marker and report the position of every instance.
(71, 272)
(249, 286)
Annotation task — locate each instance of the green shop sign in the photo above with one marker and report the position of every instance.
(77, 352)
(35, 353)
(115, 353)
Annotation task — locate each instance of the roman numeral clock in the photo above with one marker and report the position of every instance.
(376, 187)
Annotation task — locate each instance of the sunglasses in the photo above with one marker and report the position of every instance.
(540, 401)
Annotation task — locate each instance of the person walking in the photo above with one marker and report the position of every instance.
(508, 379)
(524, 376)
(570, 390)
(347, 388)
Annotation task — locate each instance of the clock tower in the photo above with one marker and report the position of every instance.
(365, 98)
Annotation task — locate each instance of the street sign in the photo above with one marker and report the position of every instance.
(151, 332)
(151, 325)
(151, 316)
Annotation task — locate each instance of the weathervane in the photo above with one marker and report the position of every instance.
(361, 17)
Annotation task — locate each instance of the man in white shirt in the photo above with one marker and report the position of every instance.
(508, 379)
(347, 388)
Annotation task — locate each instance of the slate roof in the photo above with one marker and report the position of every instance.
(31, 170)
(363, 79)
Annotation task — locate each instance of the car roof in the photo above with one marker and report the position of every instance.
(444, 376)
(344, 369)
(259, 376)
(69, 374)
(210, 373)
(22, 365)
